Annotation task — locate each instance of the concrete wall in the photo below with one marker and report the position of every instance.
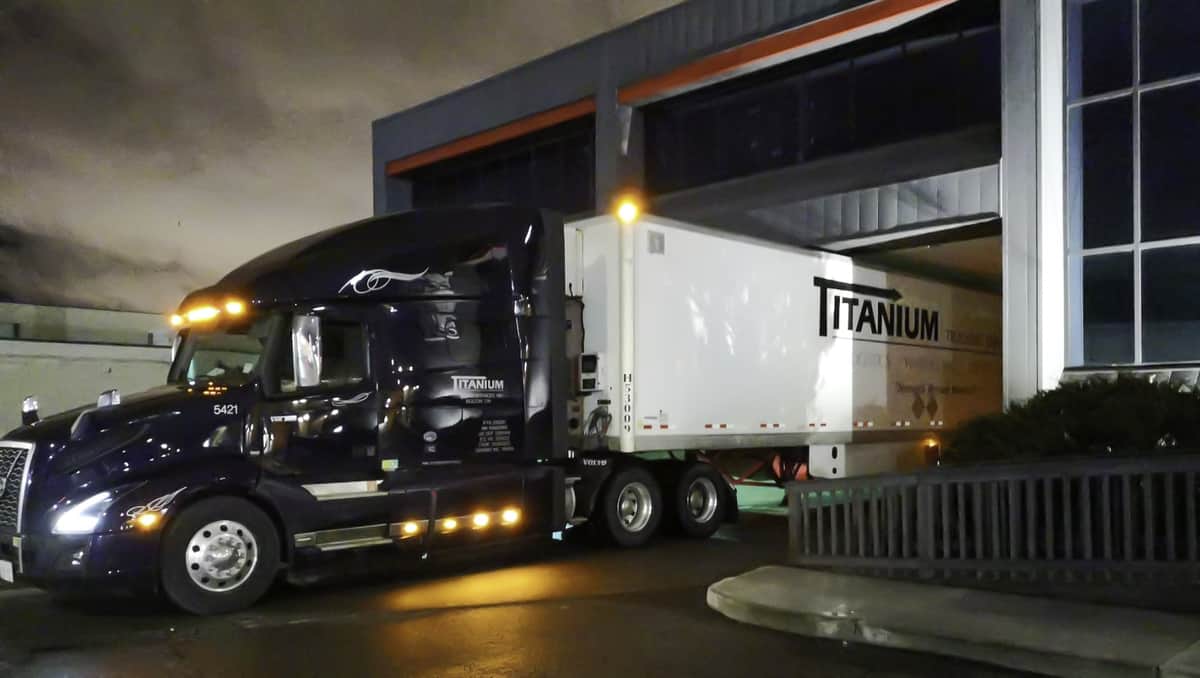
(64, 375)
(66, 323)
(66, 356)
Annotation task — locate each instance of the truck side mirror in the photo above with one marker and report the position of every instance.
(306, 350)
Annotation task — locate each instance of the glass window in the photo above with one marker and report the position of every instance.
(881, 98)
(1108, 309)
(579, 170)
(1100, 41)
(1170, 38)
(828, 121)
(934, 65)
(1171, 304)
(975, 91)
(548, 170)
(938, 74)
(225, 354)
(1102, 164)
(343, 354)
(343, 357)
(759, 132)
(551, 168)
(701, 139)
(1170, 172)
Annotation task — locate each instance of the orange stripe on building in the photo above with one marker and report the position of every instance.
(496, 135)
(771, 49)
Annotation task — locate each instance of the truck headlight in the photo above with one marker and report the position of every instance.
(83, 517)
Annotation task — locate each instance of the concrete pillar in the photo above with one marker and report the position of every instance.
(620, 145)
(1052, 229)
(1019, 195)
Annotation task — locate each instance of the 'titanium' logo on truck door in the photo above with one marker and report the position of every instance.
(873, 310)
(478, 384)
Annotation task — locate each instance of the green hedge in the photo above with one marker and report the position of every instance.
(1098, 417)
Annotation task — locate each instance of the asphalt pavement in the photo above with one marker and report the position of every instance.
(560, 609)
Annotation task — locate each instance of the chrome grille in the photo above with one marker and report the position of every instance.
(13, 466)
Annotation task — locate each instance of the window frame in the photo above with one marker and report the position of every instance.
(1076, 254)
(281, 344)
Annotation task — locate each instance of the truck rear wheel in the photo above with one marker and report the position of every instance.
(699, 501)
(219, 555)
(630, 507)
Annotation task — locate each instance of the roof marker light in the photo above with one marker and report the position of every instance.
(202, 313)
(628, 210)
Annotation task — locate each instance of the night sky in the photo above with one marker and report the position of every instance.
(148, 146)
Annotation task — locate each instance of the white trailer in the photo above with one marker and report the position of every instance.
(696, 339)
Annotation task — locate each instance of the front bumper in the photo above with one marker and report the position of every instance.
(125, 560)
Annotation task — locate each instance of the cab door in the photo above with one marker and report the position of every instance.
(319, 420)
(453, 412)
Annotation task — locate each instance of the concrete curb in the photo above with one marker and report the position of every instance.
(1024, 633)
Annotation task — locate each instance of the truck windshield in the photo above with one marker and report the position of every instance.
(227, 354)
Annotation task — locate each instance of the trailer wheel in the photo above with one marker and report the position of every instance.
(219, 555)
(699, 503)
(631, 507)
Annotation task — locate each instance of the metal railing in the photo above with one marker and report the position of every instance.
(1085, 521)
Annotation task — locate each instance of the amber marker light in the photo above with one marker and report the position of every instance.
(176, 320)
(235, 307)
(449, 524)
(480, 520)
(410, 529)
(627, 210)
(147, 520)
(510, 516)
(202, 313)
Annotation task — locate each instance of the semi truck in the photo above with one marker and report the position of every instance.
(445, 381)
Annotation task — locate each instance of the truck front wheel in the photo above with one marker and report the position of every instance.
(631, 507)
(219, 555)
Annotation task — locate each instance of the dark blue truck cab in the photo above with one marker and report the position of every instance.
(396, 384)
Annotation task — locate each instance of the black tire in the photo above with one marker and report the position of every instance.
(699, 501)
(630, 508)
(256, 560)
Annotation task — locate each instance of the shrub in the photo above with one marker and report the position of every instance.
(1097, 417)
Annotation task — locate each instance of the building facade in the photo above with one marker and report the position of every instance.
(66, 356)
(1037, 148)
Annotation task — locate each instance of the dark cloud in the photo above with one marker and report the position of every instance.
(172, 140)
(43, 269)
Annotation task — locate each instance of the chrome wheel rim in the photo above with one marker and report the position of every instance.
(221, 555)
(702, 500)
(634, 506)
